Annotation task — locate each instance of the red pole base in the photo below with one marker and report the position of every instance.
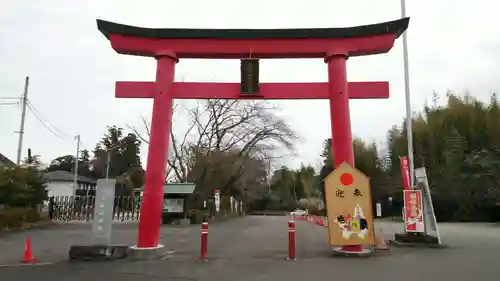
(204, 242)
(291, 241)
(352, 248)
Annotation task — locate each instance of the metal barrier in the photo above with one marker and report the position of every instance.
(67, 208)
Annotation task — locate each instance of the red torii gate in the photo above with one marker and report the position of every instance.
(167, 46)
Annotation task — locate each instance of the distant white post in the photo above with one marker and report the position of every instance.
(75, 172)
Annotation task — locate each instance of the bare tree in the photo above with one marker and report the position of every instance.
(224, 141)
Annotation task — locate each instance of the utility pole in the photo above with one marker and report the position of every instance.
(108, 162)
(75, 172)
(409, 130)
(23, 118)
(269, 176)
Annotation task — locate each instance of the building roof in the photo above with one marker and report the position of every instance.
(64, 176)
(175, 188)
(4, 161)
(396, 26)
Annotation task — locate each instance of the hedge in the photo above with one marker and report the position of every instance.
(17, 217)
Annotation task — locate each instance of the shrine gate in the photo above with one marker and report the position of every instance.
(167, 46)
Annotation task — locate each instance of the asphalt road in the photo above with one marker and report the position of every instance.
(254, 248)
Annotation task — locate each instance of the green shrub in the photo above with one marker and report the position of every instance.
(21, 187)
(32, 215)
(17, 217)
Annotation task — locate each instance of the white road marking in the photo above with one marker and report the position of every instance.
(26, 264)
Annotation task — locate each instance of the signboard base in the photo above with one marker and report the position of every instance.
(416, 240)
(339, 251)
(98, 252)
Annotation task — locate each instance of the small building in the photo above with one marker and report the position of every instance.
(6, 162)
(174, 200)
(60, 183)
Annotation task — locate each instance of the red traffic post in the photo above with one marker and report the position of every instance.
(204, 241)
(291, 241)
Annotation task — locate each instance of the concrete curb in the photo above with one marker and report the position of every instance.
(154, 253)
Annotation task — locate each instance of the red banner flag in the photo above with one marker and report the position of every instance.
(405, 172)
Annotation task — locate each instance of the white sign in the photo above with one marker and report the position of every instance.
(103, 211)
(217, 200)
(379, 209)
(421, 174)
(173, 205)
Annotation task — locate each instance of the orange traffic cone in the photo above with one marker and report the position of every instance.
(28, 255)
(380, 243)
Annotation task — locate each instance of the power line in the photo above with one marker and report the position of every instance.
(10, 98)
(43, 123)
(41, 116)
(10, 103)
(44, 120)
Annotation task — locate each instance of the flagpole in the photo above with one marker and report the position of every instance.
(408, 119)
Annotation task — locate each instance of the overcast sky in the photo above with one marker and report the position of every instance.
(452, 45)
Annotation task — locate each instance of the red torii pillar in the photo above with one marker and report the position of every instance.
(334, 45)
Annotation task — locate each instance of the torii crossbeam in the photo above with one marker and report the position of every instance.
(268, 91)
(167, 46)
